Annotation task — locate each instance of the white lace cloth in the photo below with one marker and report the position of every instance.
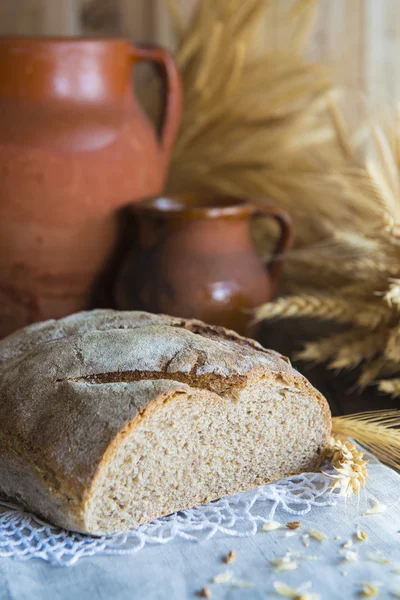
(24, 536)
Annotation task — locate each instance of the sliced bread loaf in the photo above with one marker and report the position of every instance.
(111, 419)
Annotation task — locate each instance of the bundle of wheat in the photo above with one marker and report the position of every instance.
(267, 126)
(354, 279)
(252, 123)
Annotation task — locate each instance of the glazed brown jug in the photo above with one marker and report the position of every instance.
(74, 147)
(195, 258)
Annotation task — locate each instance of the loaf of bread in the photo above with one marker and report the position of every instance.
(111, 419)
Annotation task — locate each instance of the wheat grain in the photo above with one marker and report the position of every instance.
(390, 386)
(392, 295)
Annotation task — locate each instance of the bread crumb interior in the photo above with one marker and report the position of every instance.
(191, 444)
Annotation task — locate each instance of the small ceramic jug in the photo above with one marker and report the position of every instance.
(195, 258)
(75, 146)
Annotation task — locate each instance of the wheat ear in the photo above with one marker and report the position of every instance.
(330, 308)
(390, 386)
(379, 431)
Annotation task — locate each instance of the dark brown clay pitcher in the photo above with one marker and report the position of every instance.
(195, 258)
(74, 147)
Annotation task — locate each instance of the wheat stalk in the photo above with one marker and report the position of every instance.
(330, 308)
(344, 350)
(354, 279)
(379, 431)
(250, 121)
(324, 349)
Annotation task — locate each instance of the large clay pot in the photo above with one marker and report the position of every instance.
(195, 258)
(74, 147)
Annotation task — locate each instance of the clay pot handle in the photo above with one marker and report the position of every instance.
(284, 243)
(168, 70)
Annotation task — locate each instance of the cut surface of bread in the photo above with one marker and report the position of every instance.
(112, 419)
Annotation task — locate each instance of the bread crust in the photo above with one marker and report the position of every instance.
(70, 390)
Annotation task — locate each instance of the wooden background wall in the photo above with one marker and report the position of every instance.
(361, 38)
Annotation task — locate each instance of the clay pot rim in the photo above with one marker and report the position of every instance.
(194, 207)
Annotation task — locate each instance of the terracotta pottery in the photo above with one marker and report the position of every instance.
(195, 258)
(74, 147)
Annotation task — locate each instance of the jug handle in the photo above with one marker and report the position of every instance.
(284, 242)
(169, 72)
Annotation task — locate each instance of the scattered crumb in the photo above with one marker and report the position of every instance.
(350, 556)
(285, 563)
(338, 537)
(230, 557)
(375, 509)
(306, 540)
(318, 535)
(360, 536)
(369, 589)
(296, 594)
(204, 593)
(293, 524)
(284, 590)
(241, 583)
(223, 577)
(290, 533)
(309, 557)
(396, 570)
(347, 544)
(344, 573)
(378, 557)
(271, 525)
